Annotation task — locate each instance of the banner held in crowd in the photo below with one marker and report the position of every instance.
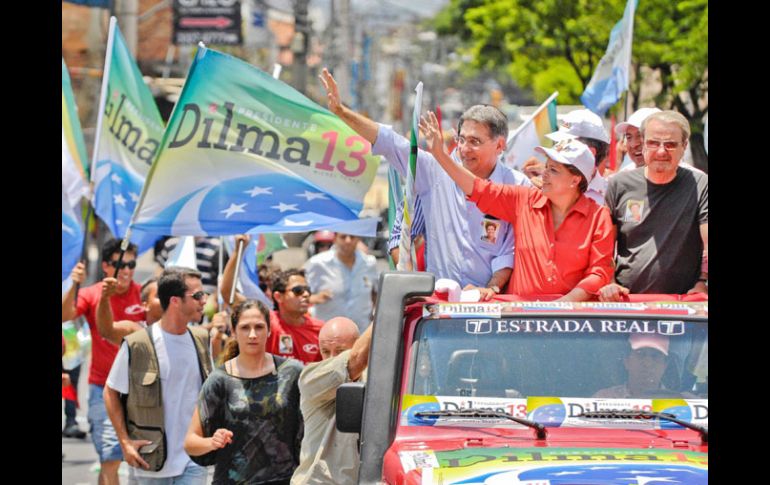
(610, 78)
(522, 142)
(246, 153)
(128, 132)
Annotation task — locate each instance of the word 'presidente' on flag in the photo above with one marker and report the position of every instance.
(244, 152)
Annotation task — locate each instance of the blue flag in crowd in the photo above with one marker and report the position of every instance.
(71, 237)
(248, 278)
(610, 78)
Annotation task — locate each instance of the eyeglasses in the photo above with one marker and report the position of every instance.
(668, 145)
(199, 295)
(473, 142)
(300, 290)
(124, 264)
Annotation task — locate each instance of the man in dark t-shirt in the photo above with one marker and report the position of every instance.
(661, 214)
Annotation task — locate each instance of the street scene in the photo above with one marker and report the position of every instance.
(350, 241)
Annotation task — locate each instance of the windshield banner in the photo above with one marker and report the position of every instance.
(552, 411)
(556, 466)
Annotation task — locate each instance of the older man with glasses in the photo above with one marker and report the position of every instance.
(293, 333)
(661, 213)
(454, 226)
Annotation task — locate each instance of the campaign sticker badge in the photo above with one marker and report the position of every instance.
(634, 211)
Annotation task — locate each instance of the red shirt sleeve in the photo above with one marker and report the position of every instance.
(498, 200)
(600, 269)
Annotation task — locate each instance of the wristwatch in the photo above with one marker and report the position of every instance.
(495, 288)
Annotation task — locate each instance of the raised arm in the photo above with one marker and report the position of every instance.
(78, 275)
(359, 354)
(228, 274)
(110, 330)
(430, 130)
(360, 124)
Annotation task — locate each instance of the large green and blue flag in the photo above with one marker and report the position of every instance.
(128, 132)
(246, 153)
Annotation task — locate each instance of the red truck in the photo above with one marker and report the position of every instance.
(531, 392)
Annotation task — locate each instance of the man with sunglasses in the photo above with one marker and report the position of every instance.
(454, 226)
(153, 386)
(126, 304)
(293, 332)
(661, 214)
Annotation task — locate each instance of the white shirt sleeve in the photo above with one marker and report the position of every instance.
(118, 378)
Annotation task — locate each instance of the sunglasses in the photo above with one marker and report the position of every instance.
(129, 264)
(300, 290)
(199, 295)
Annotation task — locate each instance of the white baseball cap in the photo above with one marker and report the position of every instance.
(572, 152)
(650, 341)
(580, 122)
(635, 120)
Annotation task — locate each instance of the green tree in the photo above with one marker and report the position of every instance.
(548, 45)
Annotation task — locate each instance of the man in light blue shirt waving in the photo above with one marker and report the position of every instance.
(455, 229)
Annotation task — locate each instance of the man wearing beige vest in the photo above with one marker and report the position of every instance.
(328, 455)
(160, 371)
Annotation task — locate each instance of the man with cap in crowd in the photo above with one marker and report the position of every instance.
(463, 256)
(661, 214)
(322, 241)
(328, 455)
(629, 132)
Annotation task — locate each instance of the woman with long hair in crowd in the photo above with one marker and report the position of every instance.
(248, 421)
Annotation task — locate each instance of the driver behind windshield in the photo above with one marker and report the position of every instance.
(645, 364)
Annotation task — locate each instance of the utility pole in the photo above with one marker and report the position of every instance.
(126, 11)
(300, 45)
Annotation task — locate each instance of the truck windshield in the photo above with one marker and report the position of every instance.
(573, 357)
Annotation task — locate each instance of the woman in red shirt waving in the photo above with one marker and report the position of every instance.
(564, 241)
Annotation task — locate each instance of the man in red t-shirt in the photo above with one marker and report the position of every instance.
(126, 304)
(293, 333)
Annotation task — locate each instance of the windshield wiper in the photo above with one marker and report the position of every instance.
(481, 413)
(638, 413)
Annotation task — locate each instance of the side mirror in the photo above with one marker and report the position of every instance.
(350, 407)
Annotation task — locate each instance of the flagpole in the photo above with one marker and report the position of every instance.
(97, 138)
(238, 255)
(405, 249)
(531, 118)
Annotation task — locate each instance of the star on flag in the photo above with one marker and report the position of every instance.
(259, 190)
(233, 209)
(312, 195)
(134, 196)
(285, 207)
(116, 178)
(120, 200)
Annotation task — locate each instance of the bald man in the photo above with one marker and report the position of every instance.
(327, 455)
